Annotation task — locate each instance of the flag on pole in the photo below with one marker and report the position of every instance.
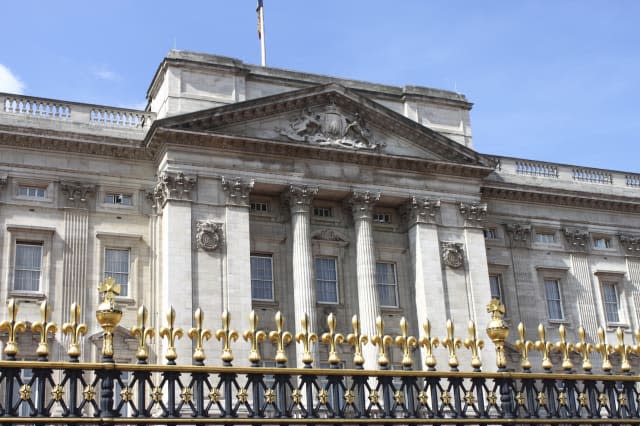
(260, 12)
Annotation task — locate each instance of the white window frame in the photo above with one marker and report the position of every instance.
(546, 233)
(47, 187)
(337, 280)
(499, 282)
(28, 234)
(558, 283)
(114, 196)
(131, 242)
(382, 218)
(491, 233)
(322, 212)
(394, 285)
(270, 257)
(607, 242)
(254, 203)
(605, 284)
(20, 243)
(106, 274)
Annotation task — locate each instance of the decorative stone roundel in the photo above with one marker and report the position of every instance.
(208, 235)
(452, 254)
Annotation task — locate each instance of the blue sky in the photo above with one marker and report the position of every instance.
(551, 80)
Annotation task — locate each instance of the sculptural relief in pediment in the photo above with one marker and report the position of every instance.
(329, 126)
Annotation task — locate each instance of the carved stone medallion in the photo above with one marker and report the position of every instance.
(452, 254)
(208, 235)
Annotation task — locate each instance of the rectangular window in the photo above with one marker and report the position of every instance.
(387, 284)
(495, 283)
(382, 218)
(545, 237)
(28, 265)
(261, 277)
(116, 266)
(31, 191)
(259, 207)
(602, 243)
(326, 280)
(611, 301)
(554, 300)
(490, 233)
(322, 212)
(122, 199)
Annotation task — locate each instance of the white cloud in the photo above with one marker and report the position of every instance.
(9, 82)
(106, 74)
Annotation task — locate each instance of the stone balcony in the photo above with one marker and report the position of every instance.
(74, 117)
(565, 177)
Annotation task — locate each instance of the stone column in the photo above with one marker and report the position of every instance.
(578, 245)
(236, 288)
(431, 302)
(173, 197)
(631, 246)
(300, 198)
(368, 304)
(519, 235)
(74, 258)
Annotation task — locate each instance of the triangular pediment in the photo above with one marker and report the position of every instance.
(329, 116)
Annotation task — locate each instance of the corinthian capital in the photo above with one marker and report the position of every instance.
(577, 239)
(421, 210)
(237, 191)
(300, 198)
(519, 233)
(474, 214)
(77, 194)
(172, 186)
(630, 243)
(362, 203)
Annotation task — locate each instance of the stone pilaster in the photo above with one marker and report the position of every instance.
(362, 203)
(519, 239)
(430, 292)
(236, 285)
(173, 198)
(300, 198)
(631, 246)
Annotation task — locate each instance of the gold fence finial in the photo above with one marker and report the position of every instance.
(475, 345)
(498, 331)
(307, 339)
(584, 348)
(13, 327)
(198, 335)
(44, 327)
(108, 315)
(254, 337)
(381, 340)
(406, 343)
(171, 334)
(623, 349)
(226, 335)
(281, 338)
(523, 346)
(142, 332)
(429, 343)
(76, 330)
(636, 347)
(604, 349)
(564, 348)
(451, 343)
(357, 340)
(332, 339)
(544, 347)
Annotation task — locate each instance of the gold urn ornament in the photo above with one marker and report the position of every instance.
(108, 316)
(498, 331)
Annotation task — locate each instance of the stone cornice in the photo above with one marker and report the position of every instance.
(264, 148)
(561, 198)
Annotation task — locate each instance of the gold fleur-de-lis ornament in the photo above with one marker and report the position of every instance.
(12, 326)
(171, 333)
(44, 327)
(584, 348)
(307, 338)
(198, 335)
(623, 349)
(357, 340)
(406, 343)
(142, 332)
(332, 339)
(544, 347)
(75, 330)
(564, 348)
(451, 343)
(254, 337)
(281, 338)
(604, 349)
(429, 343)
(226, 335)
(382, 341)
(475, 345)
(523, 346)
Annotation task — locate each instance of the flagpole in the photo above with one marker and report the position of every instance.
(261, 35)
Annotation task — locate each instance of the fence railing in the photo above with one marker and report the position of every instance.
(106, 392)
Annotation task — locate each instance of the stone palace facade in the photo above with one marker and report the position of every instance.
(242, 187)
